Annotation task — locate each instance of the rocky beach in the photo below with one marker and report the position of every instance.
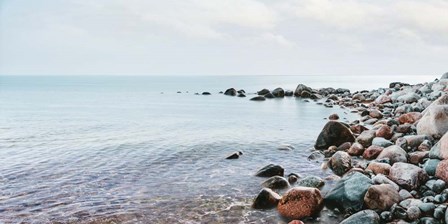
(390, 165)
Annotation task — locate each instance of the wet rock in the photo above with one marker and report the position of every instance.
(442, 170)
(285, 147)
(258, 98)
(394, 154)
(269, 96)
(333, 117)
(348, 193)
(366, 138)
(241, 95)
(266, 199)
(408, 176)
(430, 166)
(410, 118)
(404, 194)
(311, 181)
(381, 197)
(375, 114)
(363, 217)
(372, 152)
(270, 171)
(340, 163)
(235, 155)
(230, 92)
(276, 182)
(440, 150)
(206, 93)
(356, 149)
(344, 146)
(263, 92)
(334, 133)
(292, 178)
(381, 142)
(300, 202)
(436, 185)
(435, 119)
(301, 89)
(289, 93)
(278, 92)
(379, 168)
(413, 213)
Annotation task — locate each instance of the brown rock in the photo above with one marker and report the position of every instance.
(372, 152)
(442, 170)
(379, 168)
(344, 147)
(408, 176)
(358, 129)
(404, 128)
(366, 138)
(266, 199)
(376, 114)
(334, 117)
(300, 202)
(334, 133)
(410, 118)
(417, 157)
(340, 163)
(385, 132)
(356, 149)
(381, 197)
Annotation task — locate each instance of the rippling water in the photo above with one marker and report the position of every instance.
(131, 149)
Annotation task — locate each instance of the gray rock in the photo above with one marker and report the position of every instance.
(439, 213)
(270, 171)
(258, 98)
(230, 92)
(440, 150)
(334, 133)
(266, 199)
(382, 142)
(363, 217)
(278, 92)
(366, 138)
(436, 185)
(413, 213)
(301, 88)
(394, 154)
(404, 194)
(430, 166)
(382, 179)
(427, 208)
(340, 163)
(348, 193)
(408, 176)
(311, 181)
(435, 119)
(276, 182)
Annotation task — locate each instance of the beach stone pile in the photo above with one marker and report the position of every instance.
(392, 163)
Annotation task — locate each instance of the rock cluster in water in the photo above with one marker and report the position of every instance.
(392, 163)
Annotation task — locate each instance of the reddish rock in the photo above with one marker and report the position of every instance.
(376, 114)
(340, 163)
(408, 176)
(385, 132)
(442, 170)
(296, 222)
(372, 152)
(300, 202)
(410, 118)
(383, 99)
(381, 197)
(379, 168)
(334, 117)
(344, 147)
(356, 149)
(358, 129)
(394, 153)
(417, 157)
(404, 128)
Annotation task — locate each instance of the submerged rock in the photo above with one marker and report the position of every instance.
(235, 155)
(334, 133)
(258, 98)
(266, 199)
(276, 182)
(300, 202)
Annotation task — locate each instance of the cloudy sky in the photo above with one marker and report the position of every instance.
(224, 37)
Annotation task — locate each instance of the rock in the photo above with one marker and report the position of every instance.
(426, 145)
(417, 157)
(269, 96)
(383, 99)
(442, 170)
(270, 171)
(385, 132)
(241, 91)
(382, 179)
(379, 168)
(404, 194)
(404, 128)
(381, 197)
(311, 181)
(295, 222)
(358, 129)
(375, 114)
(344, 146)
(444, 76)
(333, 117)
(363, 217)
(278, 92)
(381, 142)
(258, 98)
(300, 202)
(292, 178)
(348, 193)
(413, 141)
(235, 155)
(302, 88)
(334, 133)
(263, 92)
(408, 176)
(427, 208)
(372, 152)
(440, 150)
(340, 163)
(230, 92)
(276, 182)
(430, 166)
(439, 213)
(366, 138)
(413, 213)
(289, 93)
(436, 185)
(206, 93)
(408, 98)
(241, 95)
(410, 118)
(356, 149)
(394, 154)
(434, 121)
(266, 199)
(285, 147)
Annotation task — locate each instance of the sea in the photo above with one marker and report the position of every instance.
(147, 149)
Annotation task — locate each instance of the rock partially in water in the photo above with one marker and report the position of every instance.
(230, 92)
(266, 199)
(381, 197)
(292, 178)
(235, 155)
(258, 98)
(348, 193)
(269, 96)
(333, 117)
(334, 133)
(278, 92)
(363, 217)
(301, 88)
(300, 202)
(263, 92)
(270, 171)
(276, 182)
(241, 95)
(408, 176)
(206, 93)
(340, 163)
(285, 147)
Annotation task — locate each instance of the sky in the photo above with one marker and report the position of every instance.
(223, 37)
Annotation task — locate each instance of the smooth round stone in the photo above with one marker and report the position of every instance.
(427, 208)
(439, 213)
(440, 198)
(413, 213)
(381, 142)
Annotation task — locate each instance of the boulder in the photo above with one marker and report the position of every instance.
(263, 92)
(276, 182)
(366, 138)
(372, 152)
(258, 98)
(381, 197)
(301, 88)
(379, 168)
(334, 133)
(440, 150)
(340, 163)
(442, 170)
(289, 93)
(394, 153)
(278, 92)
(410, 118)
(300, 202)
(363, 217)
(348, 193)
(434, 121)
(382, 99)
(333, 117)
(270, 171)
(266, 199)
(230, 92)
(408, 176)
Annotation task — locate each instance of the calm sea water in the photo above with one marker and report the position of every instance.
(114, 148)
